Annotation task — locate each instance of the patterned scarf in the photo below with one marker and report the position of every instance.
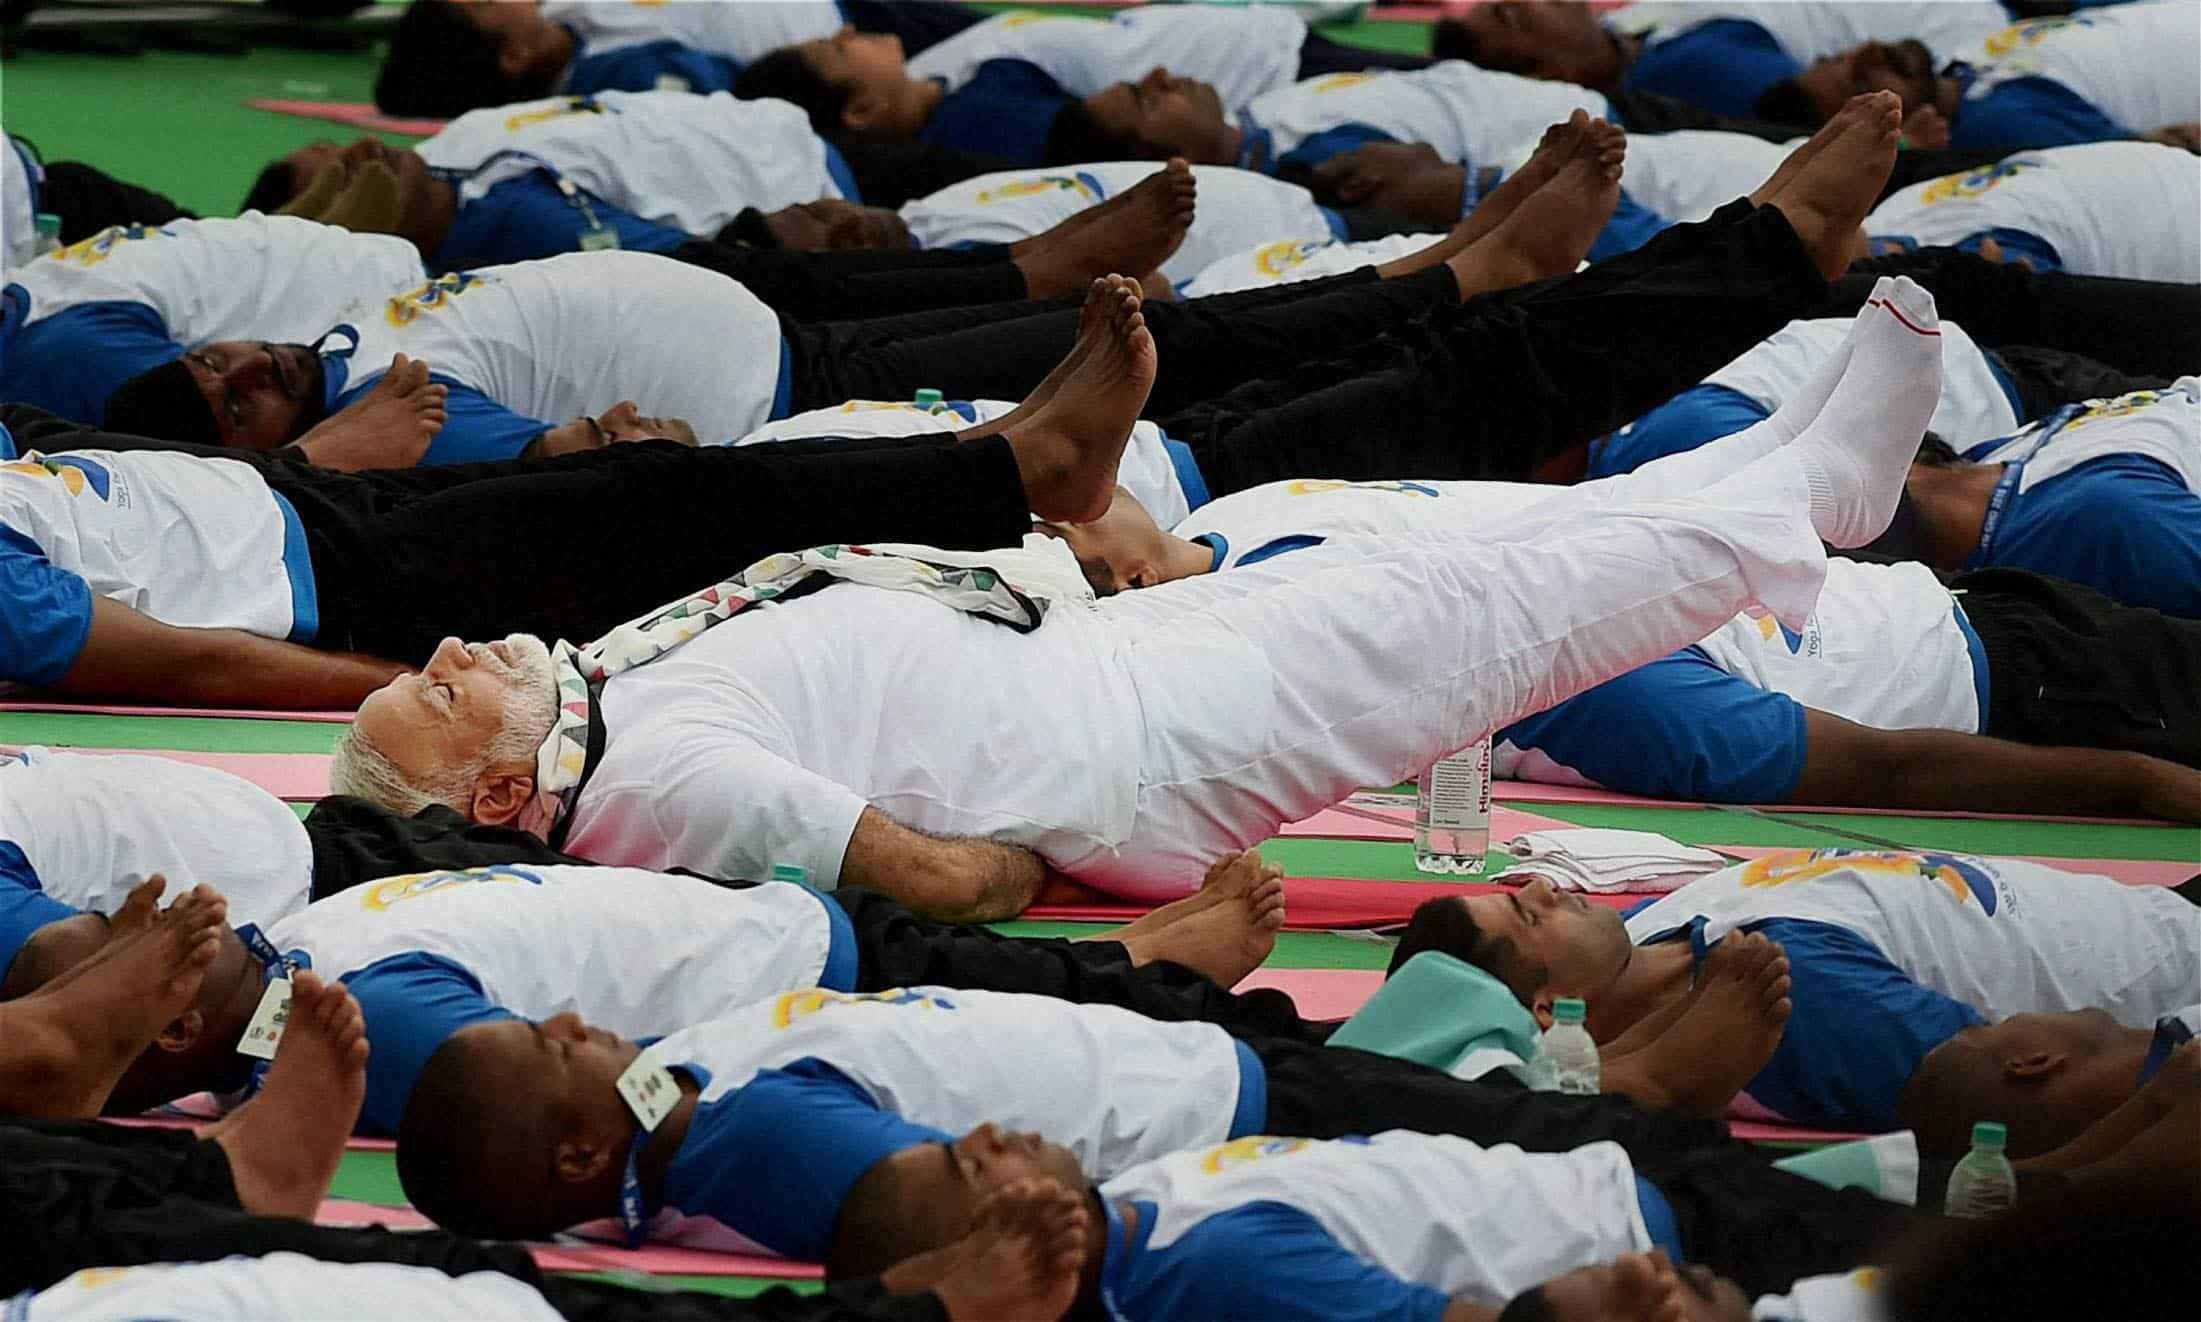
(568, 755)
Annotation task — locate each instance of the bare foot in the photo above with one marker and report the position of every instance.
(1021, 1260)
(389, 427)
(284, 1144)
(69, 1042)
(1550, 231)
(1542, 166)
(139, 908)
(1226, 929)
(372, 201)
(318, 194)
(1137, 230)
(1068, 448)
(1726, 1037)
(1092, 323)
(1826, 197)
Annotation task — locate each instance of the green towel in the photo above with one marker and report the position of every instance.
(1444, 1013)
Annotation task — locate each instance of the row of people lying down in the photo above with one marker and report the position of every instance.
(825, 1124)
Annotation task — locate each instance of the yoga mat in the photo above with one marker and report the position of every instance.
(197, 733)
(1323, 903)
(352, 114)
(1355, 819)
(1526, 791)
(1319, 993)
(1758, 1131)
(211, 713)
(284, 775)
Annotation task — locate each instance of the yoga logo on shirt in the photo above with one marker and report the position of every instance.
(1971, 183)
(1315, 486)
(396, 890)
(1962, 878)
(572, 105)
(1274, 259)
(76, 475)
(1770, 628)
(1245, 1151)
(799, 1005)
(1338, 82)
(1084, 185)
(101, 246)
(2023, 36)
(2122, 406)
(433, 296)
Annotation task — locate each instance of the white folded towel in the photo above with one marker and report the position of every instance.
(1597, 859)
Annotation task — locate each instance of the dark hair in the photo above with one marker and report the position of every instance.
(1076, 138)
(1453, 39)
(1447, 927)
(874, 1230)
(2116, 1249)
(440, 64)
(784, 75)
(451, 1143)
(162, 402)
(275, 187)
(1786, 102)
(1934, 452)
(1529, 1306)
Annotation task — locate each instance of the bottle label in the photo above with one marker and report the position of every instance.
(1455, 792)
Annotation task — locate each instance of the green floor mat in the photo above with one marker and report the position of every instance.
(369, 1177)
(183, 734)
(2050, 839)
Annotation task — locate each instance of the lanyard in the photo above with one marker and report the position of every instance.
(633, 1217)
(598, 237)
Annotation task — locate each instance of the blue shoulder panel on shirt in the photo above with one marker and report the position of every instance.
(69, 363)
(773, 1158)
(1316, 148)
(1723, 65)
(1632, 226)
(476, 429)
(1688, 420)
(2126, 525)
(643, 68)
(1858, 1029)
(48, 615)
(1264, 1260)
(1005, 111)
(527, 218)
(2031, 112)
(24, 907)
(1679, 728)
(413, 1003)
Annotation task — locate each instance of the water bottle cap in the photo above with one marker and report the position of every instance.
(790, 872)
(1568, 1010)
(929, 398)
(1989, 1134)
(46, 222)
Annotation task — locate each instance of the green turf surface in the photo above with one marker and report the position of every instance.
(369, 1177)
(185, 734)
(2052, 839)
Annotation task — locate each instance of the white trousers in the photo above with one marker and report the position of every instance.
(1269, 692)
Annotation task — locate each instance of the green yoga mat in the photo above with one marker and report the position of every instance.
(183, 734)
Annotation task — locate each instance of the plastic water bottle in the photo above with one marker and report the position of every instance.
(929, 400)
(1452, 812)
(1566, 1056)
(47, 226)
(1983, 1184)
(795, 873)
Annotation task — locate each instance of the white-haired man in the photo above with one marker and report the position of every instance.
(1122, 741)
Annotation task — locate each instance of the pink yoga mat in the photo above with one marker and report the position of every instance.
(1528, 791)
(353, 114)
(284, 775)
(1318, 904)
(223, 713)
(1757, 1131)
(1319, 993)
(1356, 819)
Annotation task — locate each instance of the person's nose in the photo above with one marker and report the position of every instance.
(567, 1027)
(1540, 891)
(451, 654)
(1157, 79)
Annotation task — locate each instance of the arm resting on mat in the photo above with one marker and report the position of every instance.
(1856, 765)
(956, 880)
(129, 655)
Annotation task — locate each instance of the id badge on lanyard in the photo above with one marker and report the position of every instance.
(597, 237)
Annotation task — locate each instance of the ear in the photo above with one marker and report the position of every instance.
(2034, 1066)
(182, 1033)
(502, 794)
(866, 110)
(1540, 1006)
(581, 1158)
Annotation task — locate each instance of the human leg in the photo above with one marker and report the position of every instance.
(1319, 56)
(821, 286)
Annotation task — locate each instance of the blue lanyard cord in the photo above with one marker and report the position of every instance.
(633, 1216)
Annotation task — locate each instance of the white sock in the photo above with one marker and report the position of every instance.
(1797, 412)
(1857, 452)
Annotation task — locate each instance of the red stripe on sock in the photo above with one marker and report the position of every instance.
(1897, 313)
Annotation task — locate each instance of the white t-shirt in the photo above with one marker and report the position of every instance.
(2002, 935)
(1242, 51)
(19, 176)
(1974, 406)
(1689, 174)
(1471, 115)
(281, 1287)
(2124, 209)
(2132, 61)
(636, 952)
(1431, 1209)
(1113, 1086)
(746, 30)
(197, 543)
(763, 740)
(94, 825)
(1146, 471)
(574, 334)
(2163, 425)
(1238, 209)
(251, 277)
(1813, 29)
(673, 158)
(1287, 261)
